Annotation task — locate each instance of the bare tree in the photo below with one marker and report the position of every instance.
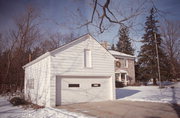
(106, 12)
(21, 39)
(55, 40)
(171, 42)
(9, 58)
(27, 35)
(1, 44)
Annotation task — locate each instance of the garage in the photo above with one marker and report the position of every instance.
(71, 90)
(79, 71)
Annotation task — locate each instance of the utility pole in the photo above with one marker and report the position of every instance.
(159, 73)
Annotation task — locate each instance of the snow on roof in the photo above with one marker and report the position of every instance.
(116, 53)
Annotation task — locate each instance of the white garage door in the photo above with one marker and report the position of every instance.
(76, 90)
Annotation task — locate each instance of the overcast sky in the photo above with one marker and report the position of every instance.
(64, 13)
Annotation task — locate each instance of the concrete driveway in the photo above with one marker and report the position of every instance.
(125, 109)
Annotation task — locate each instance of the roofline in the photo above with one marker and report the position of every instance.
(37, 59)
(53, 51)
(49, 53)
(126, 55)
(76, 39)
(102, 46)
(120, 56)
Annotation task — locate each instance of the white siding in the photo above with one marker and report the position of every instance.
(39, 72)
(87, 58)
(70, 61)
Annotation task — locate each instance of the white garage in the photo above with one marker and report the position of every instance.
(71, 90)
(80, 71)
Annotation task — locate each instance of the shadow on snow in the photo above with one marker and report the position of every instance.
(122, 93)
(175, 105)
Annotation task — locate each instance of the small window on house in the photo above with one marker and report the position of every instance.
(73, 85)
(125, 63)
(87, 58)
(95, 85)
(123, 76)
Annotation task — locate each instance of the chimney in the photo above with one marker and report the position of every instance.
(105, 44)
(30, 57)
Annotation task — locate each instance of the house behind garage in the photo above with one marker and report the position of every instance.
(80, 71)
(124, 65)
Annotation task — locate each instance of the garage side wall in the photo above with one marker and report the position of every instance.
(37, 82)
(70, 62)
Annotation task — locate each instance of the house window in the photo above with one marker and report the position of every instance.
(123, 76)
(95, 85)
(73, 85)
(125, 63)
(87, 58)
(30, 83)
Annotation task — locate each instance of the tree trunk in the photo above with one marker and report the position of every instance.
(154, 81)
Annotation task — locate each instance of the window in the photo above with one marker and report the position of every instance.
(73, 85)
(125, 63)
(95, 85)
(123, 76)
(87, 58)
(30, 83)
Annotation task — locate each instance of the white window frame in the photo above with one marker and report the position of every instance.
(87, 58)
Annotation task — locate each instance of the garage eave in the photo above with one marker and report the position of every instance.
(37, 59)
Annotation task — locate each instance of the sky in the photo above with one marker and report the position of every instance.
(63, 16)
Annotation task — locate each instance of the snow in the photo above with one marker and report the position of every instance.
(140, 93)
(150, 93)
(113, 52)
(9, 111)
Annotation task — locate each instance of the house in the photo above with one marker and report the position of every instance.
(80, 71)
(124, 67)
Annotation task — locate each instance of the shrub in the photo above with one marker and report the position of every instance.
(35, 106)
(119, 84)
(17, 101)
(136, 84)
(20, 101)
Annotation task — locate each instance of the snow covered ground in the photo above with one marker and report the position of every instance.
(150, 93)
(9, 111)
(140, 93)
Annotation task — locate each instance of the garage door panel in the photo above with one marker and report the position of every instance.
(69, 97)
(85, 92)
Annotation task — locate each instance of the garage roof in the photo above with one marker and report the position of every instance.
(63, 46)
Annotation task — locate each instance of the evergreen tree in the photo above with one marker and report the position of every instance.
(147, 61)
(113, 47)
(124, 43)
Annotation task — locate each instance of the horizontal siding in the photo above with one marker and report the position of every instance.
(71, 60)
